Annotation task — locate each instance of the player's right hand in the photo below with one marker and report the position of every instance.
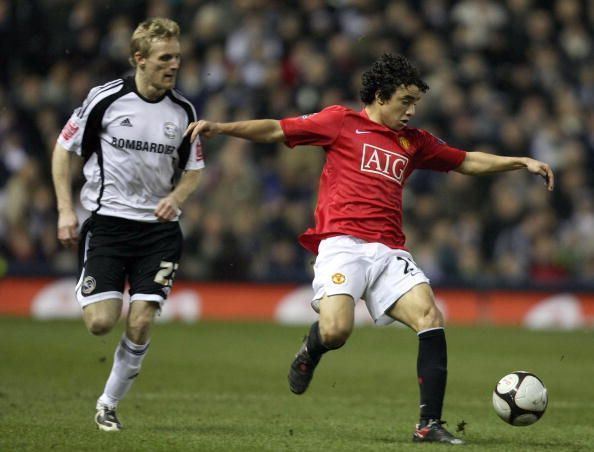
(542, 169)
(207, 129)
(68, 228)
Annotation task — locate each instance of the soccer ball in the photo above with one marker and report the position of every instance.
(520, 398)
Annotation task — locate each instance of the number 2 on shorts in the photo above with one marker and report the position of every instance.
(166, 275)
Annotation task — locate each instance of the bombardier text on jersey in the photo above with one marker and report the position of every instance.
(139, 145)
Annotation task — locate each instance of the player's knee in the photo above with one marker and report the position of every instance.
(335, 335)
(431, 318)
(140, 321)
(99, 325)
(138, 330)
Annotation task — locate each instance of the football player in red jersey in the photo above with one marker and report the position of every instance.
(358, 234)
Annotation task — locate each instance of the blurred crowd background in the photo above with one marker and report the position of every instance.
(513, 77)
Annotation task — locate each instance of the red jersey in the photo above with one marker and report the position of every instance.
(366, 166)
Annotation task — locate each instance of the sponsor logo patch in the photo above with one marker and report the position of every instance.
(198, 150)
(126, 122)
(338, 278)
(386, 163)
(88, 285)
(145, 146)
(69, 130)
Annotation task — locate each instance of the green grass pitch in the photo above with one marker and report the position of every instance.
(222, 387)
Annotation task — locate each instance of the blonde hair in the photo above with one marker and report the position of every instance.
(149, 31)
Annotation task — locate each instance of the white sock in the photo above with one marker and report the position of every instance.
(127, 361)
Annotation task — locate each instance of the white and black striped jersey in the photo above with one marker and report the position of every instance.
(133, 148)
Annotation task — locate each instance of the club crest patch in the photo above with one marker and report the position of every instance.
(404, 143)
(170, 130)
(88, 285)
(338, 278)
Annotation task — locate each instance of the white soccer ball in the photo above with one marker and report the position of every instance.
(520, 398)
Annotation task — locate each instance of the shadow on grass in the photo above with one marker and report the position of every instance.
(530, 444)
(489, 442)
(198, 429)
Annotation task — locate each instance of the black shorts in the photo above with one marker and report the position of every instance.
(113, 250)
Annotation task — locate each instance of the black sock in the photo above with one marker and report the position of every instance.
(432, 370)
(315, 348)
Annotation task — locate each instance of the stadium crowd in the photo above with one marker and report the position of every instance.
(513, 77)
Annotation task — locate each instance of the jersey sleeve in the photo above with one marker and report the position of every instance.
(317, 129)
(435, 154)
(190, 154)
(195, 157)
(71, 136)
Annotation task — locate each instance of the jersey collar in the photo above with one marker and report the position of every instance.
(379, 126)
(132, 83)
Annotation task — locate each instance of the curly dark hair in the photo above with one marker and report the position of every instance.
(386, 74)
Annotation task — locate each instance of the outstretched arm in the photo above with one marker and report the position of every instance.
(477, 163)
(260, 130)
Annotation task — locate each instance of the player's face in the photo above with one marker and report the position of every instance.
(162, 64)
(400, 108)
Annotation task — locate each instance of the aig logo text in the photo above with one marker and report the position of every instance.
(379, 161)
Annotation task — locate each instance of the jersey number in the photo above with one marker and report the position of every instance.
(166, 275)
(409, 265)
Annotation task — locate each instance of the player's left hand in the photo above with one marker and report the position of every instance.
(542, 169)
(167, 209)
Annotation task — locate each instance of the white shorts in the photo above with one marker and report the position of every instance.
(364, 270)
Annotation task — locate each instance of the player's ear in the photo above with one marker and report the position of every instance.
(378, 98)
(140, 60)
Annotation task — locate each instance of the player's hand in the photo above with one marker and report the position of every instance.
(68, 228)
(542, 169)
(206, 128)
(167, 209)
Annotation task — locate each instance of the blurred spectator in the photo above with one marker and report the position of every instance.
(513, 77)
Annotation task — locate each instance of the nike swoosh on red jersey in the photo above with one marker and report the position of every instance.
(357, 131)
